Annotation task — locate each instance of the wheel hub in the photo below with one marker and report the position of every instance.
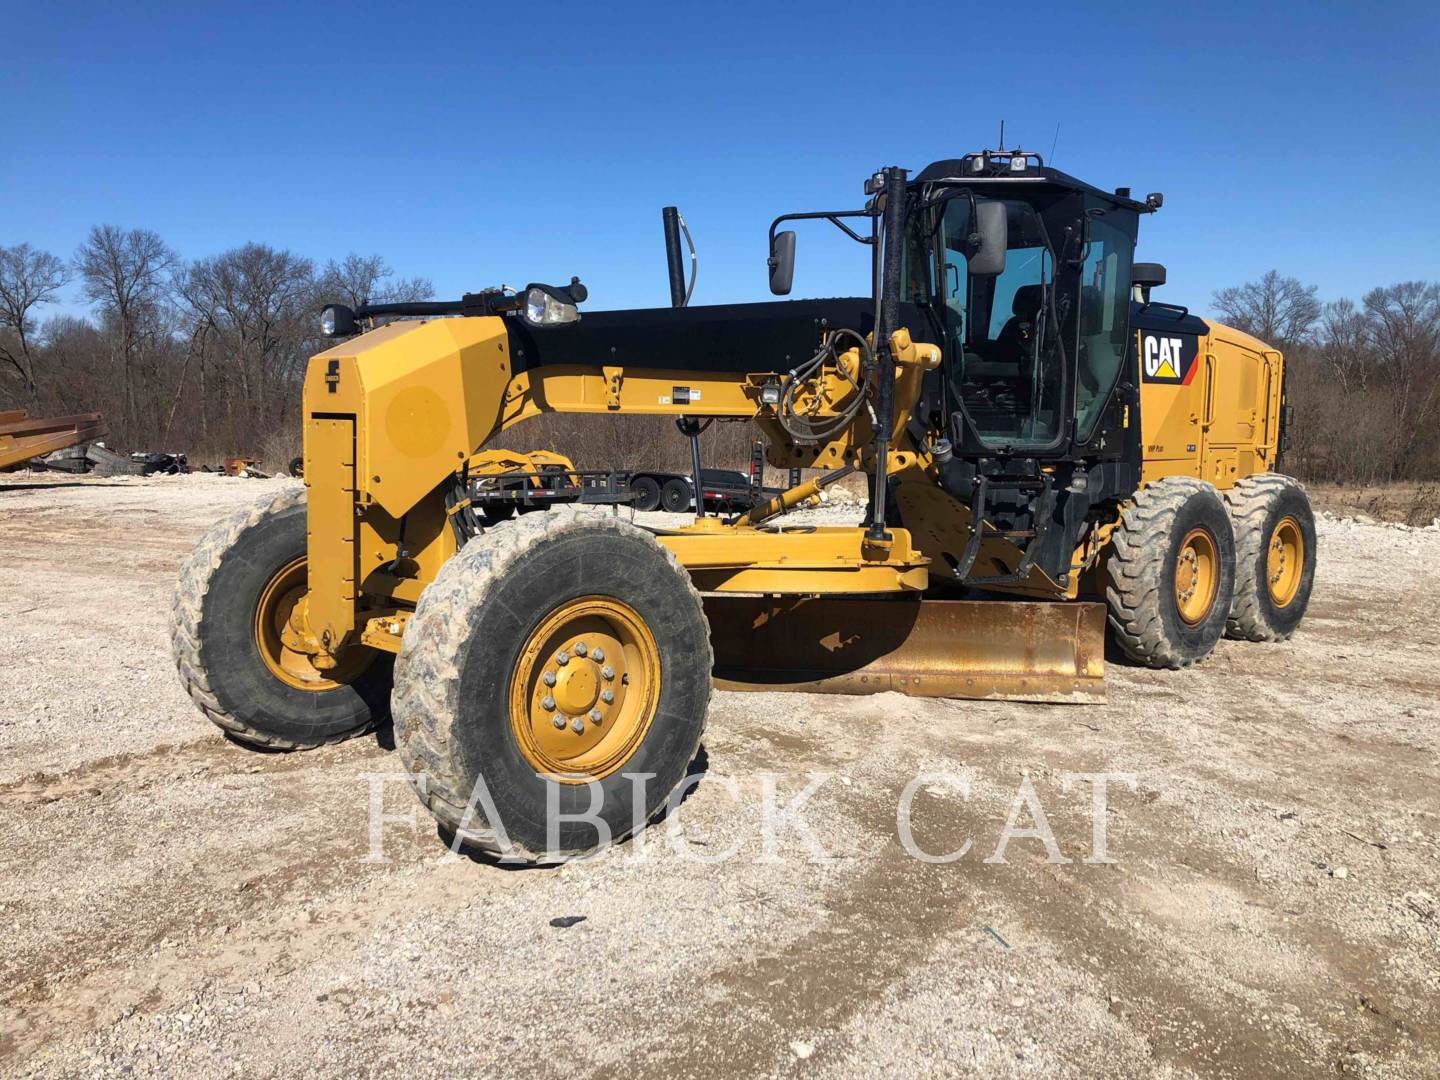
(585, 688)
(1196, 575)
(285, 644)
(577, 688)
(1285, 561)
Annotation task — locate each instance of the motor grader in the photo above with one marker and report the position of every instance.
(1043, 445)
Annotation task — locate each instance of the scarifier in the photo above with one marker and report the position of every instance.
(1035, 430)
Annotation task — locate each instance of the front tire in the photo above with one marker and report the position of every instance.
(1170, 574)
(1274, 557)
(228, 629)
(499, 693)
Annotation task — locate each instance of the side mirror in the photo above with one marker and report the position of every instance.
(992, 231)
(782, 262)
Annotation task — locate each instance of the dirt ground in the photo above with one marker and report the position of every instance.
(174, 904)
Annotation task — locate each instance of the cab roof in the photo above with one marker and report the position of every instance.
(992, 168)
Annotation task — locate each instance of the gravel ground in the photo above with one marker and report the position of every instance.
(177, 905)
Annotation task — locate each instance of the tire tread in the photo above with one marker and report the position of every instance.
(425, 704)
(1134, 577)
(188, 626)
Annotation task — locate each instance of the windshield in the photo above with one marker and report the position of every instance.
(1052, 324)
(1004, 331)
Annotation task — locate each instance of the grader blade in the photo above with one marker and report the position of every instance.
(985, 649)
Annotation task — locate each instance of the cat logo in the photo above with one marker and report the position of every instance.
(1168, 358)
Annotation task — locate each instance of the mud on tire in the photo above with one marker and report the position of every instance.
(214, 641)
(1140, 572)
(470, 634)
(1260, 506)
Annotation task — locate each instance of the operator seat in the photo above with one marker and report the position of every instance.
(1013, 344)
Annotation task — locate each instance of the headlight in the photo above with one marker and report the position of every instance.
(337, 320)
(544, 309)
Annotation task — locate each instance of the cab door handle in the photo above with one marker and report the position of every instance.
(1208, 413)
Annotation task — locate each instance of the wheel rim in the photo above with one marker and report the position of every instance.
(585, 652)
(1284, 561)
(1196, 576)
(278, 637)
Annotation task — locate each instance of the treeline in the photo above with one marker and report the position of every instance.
(206, 357)
(1364, 377)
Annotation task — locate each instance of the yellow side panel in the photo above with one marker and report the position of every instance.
(424, 394)
(1172, 403)
(1243, 406)
(330, 516)
(1209, 408)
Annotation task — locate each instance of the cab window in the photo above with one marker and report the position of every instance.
(1001, 331)
(1104, 314)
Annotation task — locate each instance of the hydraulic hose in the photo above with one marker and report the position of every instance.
(805, 430)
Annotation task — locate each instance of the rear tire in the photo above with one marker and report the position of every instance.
(1274, 557)
(675, 496)
(647, 493)
(220, 650)
(471, 683)
(1170, 574)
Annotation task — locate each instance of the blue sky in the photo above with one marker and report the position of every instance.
(486, 143)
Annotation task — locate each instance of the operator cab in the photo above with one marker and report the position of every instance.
(1027, 272)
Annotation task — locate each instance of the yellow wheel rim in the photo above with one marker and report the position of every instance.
(1196, 575)
(585, 689)
(280, 641)
(1284, 561)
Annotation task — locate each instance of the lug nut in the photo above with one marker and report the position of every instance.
(598, 655)
(577, 725)
(562, 658)
(558, 721)
(607, 696)
(608, 671)
(595, 716)
(579, 648)
(625, 680)
(548, 678)
(548, 703)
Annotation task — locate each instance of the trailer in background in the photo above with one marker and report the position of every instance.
(502, 482)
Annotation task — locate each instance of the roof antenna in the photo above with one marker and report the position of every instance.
(1002, 136)
(1053, 141)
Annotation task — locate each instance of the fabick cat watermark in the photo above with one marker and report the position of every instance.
(770, 819)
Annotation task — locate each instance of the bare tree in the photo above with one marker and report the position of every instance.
(1344, 344)
(76, 351)
(1403, 322)
(1277, 310)
(253, 305)
(361, 279)
(125, 273)
(1404, 329)
(28, 278)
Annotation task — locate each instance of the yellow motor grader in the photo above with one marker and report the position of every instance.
(1044, 446)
